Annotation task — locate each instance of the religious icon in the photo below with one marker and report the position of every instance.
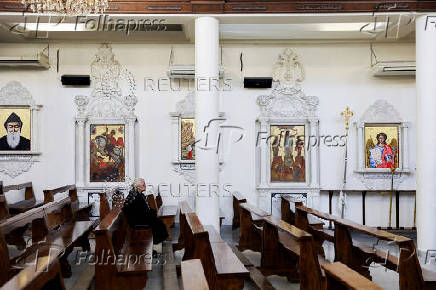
(187, 139)
(107, 151)
(382, 146)
(287, 153)
(16, 129)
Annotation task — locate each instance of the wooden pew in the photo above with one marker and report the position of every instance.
(222, 268)
(251, 222)
(104, 205)
(166, 213)
(288, 214)
(113, 237)
(193, 275)
(285, 246)
(29, 201)
(340, 277)
(52, 224)
(184, 209)
(4, 209)
(359, 256)
(82, 210)
(238, 198)
(45, 273)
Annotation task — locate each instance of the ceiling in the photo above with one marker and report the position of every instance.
(367, 27)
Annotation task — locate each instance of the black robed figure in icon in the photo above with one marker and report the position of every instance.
(138, 212)
(13, 139)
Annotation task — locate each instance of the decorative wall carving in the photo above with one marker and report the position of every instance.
(112, 101)
(14, 163)
(287, 104)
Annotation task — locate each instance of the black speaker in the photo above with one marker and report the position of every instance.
(257, 83)
(75, 80)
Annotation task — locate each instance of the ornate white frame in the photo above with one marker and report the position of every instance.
(287, 105)
(185, 109)
(14, 163)
(382, 113)
(106, 105)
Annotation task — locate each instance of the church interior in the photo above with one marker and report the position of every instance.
(217, 144)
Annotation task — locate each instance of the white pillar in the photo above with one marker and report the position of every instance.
(80, 180)
(426, 132)
(206, 109)
(131, 150)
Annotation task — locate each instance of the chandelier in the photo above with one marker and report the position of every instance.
(68, 7)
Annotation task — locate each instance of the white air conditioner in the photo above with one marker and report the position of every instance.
(38, 61)
(185, 71)
(382, 69)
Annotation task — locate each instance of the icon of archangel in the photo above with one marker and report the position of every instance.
(187, 142)
(382, 146)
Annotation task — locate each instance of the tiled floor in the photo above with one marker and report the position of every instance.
(385, 278)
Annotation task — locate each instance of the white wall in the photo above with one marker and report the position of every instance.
(337, 73)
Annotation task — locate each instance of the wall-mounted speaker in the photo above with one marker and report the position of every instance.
(257, 83)
(75, 80)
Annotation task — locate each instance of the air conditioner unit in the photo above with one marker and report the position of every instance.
(382, 69)
(38, 61)
(185, 71)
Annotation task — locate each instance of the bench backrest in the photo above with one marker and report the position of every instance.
(288, 215)
(277, 231)
(238, 198)
(197, 246)
(49, 194)
(104, 205)
(184, 209)
(110, 236)
(28, 193)
(4, 209)
(152, 202)
(42, 219)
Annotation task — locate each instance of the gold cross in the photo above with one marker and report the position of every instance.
(347, 114)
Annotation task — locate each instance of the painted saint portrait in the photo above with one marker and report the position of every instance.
(187, 136)
(107, 153)
(287, 153)
(15, 132)
(382, 149)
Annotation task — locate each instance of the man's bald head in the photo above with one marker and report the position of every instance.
(140, 184)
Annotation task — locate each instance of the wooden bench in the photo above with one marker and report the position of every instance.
(82, 210)
(29, 201)
(52, 224)
(340, 277)
(4, 209)
(166, 213)
(285, 246)
(288, 212)
(251, 222)
(193, 275)
(184, 209)
(359, 256)
(238, 198)
(46, 274)
(222, 268)
(113, 239)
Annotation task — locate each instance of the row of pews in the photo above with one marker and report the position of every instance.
(45, 235)
(292, 247)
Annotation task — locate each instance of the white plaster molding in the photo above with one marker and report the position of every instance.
(185, 109)
(112, 101)
(14, 163)
(381, 112)
(287, 105)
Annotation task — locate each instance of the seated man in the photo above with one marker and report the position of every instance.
(138, 212)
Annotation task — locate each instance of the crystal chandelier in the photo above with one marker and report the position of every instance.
(68, 7)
